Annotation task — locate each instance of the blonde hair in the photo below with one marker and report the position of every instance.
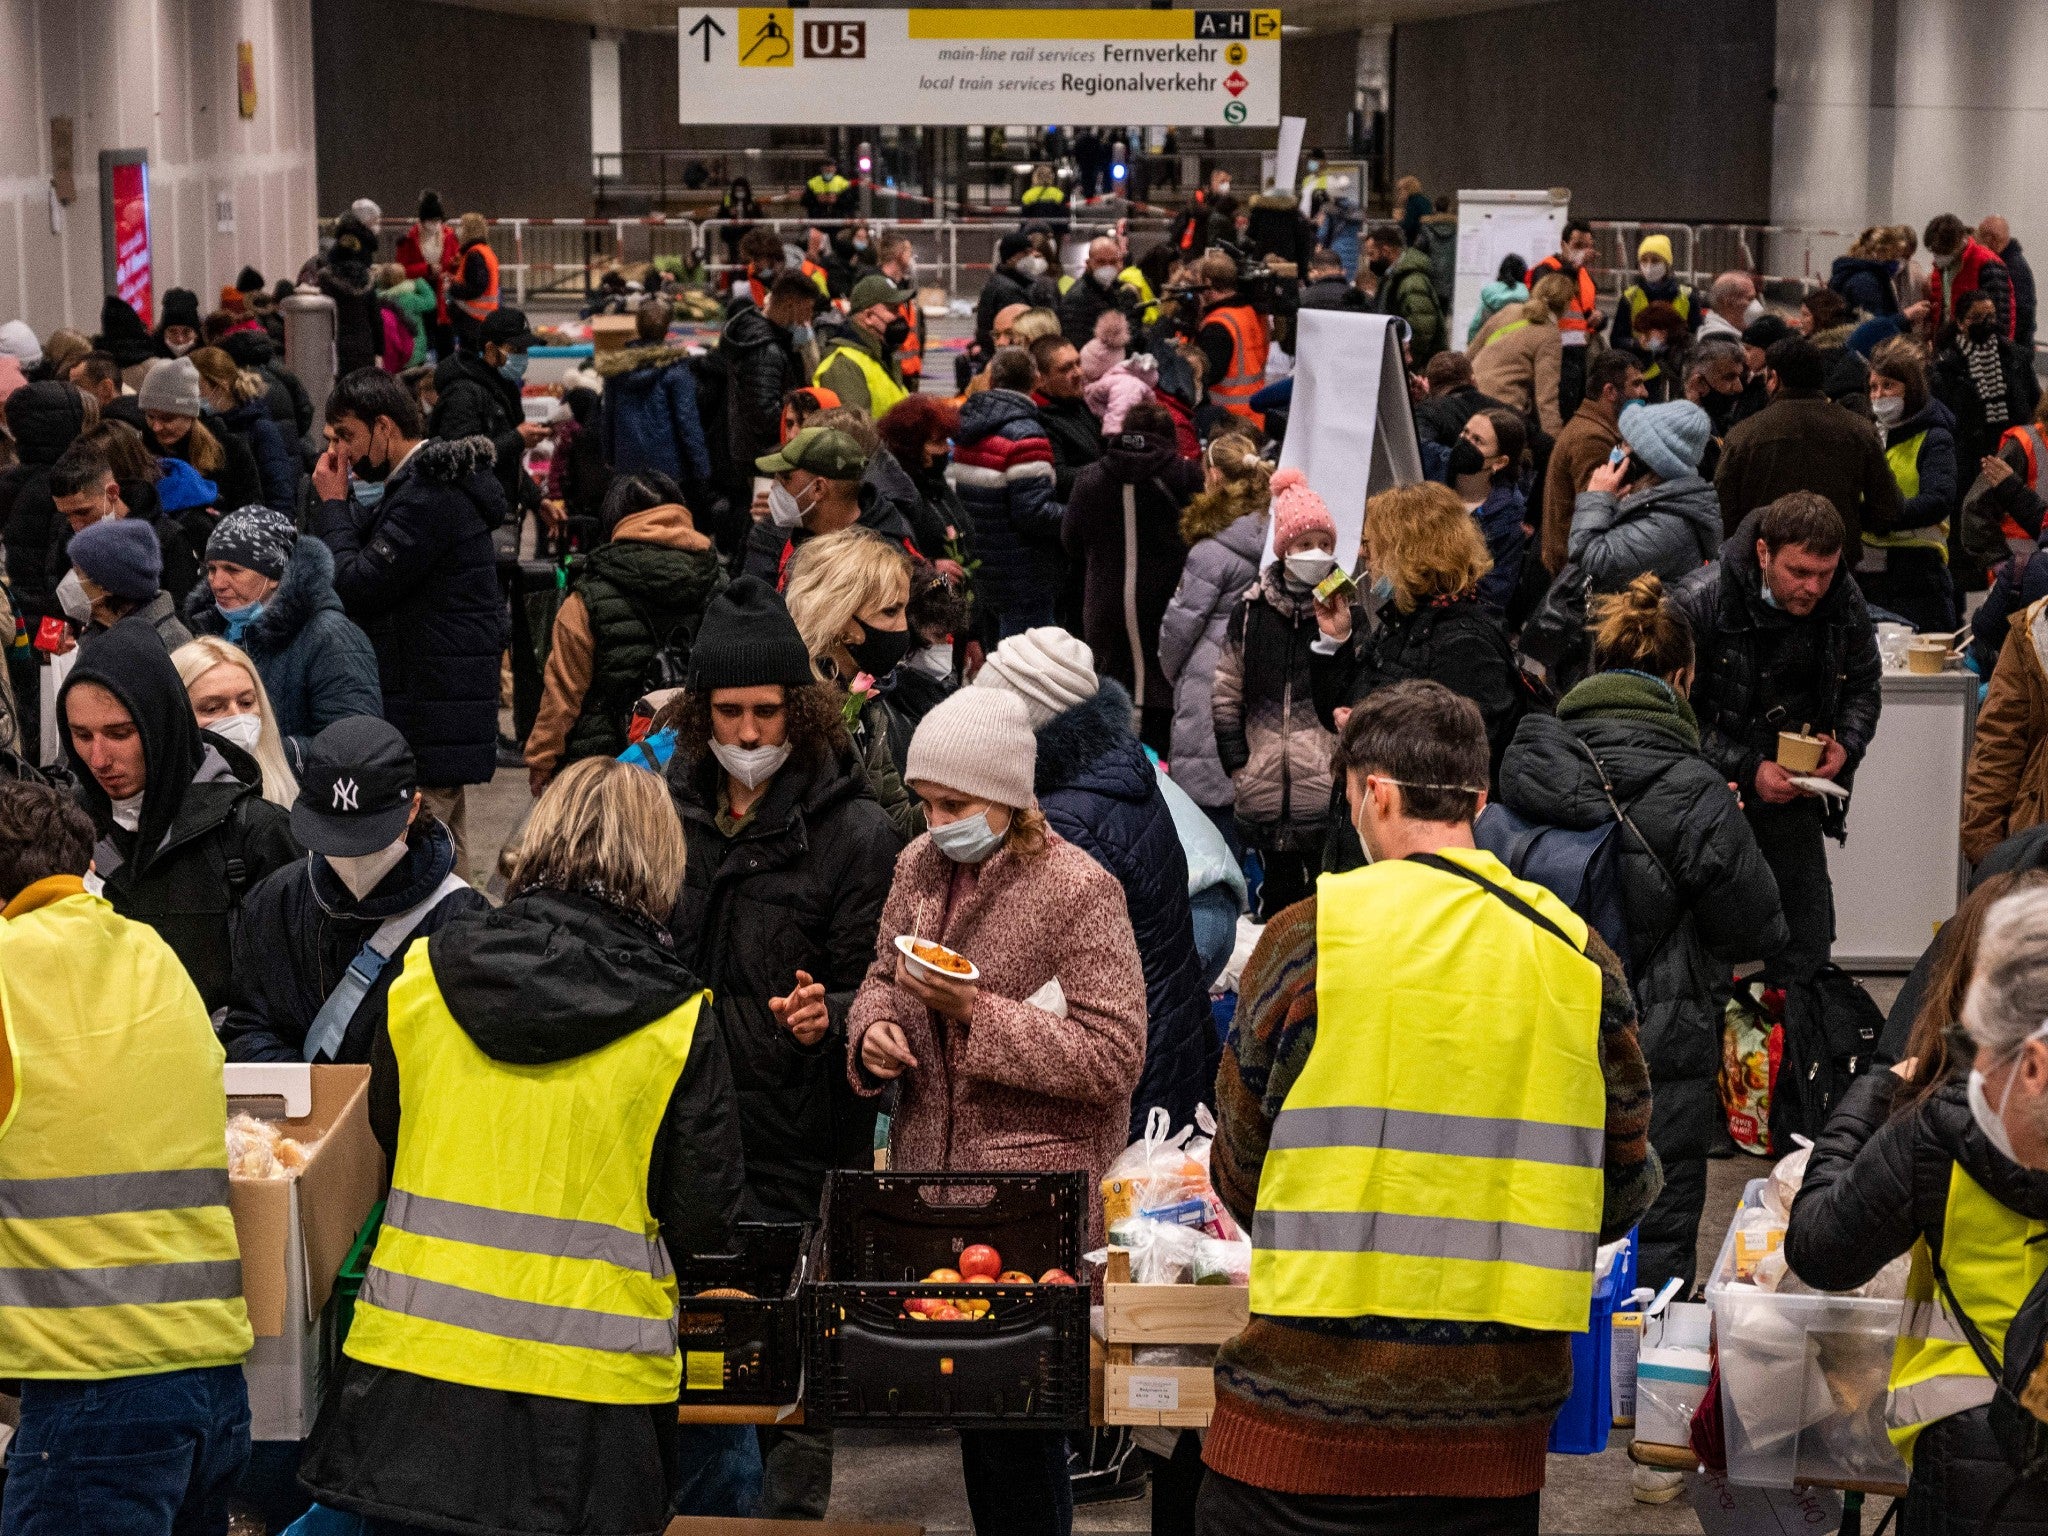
(1552, 296)
(198, 657)
(607, 830)
(471, 226)
(224, 373)
(831, 579)
(1421, 538)
(1034, 323)
(1246, 487)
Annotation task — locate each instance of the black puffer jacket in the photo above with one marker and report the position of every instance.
(761, 366)
(546, 978)
(418, 573)
(799, 887)
(300, 927)
(1743, 692)
(285, 398)
(44, 419)
(206, 835)
(1005, 286)
(475, 400)
(1099, 791)
(1718, 907)
(1875, 1184)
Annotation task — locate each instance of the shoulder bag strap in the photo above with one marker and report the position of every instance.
(1607, 788)
(330, 1024)
(1514, 902)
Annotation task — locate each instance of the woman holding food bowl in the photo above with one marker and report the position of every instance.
(1021, 1054)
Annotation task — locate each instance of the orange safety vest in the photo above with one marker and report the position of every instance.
(485, 303)
(1247, 375)
(910, 356)
(2026, 437)
(1580, 316)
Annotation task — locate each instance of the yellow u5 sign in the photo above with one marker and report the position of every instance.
(767, 37)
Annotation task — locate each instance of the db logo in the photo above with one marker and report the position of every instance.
(1235, 82)
(835, 39)
(1234, 112)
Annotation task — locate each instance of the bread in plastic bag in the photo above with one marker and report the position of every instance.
(257, 1149)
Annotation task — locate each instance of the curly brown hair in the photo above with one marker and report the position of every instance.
(817, 733)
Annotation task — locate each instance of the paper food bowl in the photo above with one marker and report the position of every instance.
(1798, 753)
(1927, 657)
(928, 971)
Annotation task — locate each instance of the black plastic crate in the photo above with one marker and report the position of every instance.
(746, 1350)
(1024, 1365)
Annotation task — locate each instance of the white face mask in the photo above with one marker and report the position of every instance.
(1652, 345)
(1575, 258)
(179, 348)
(752, 766)
(72, 599)
(1654, 271)
(1104, 275)
(1992, 1121)
(1032, 266)
(932, 660)
(783, 506)
(363, 873)
(1310, 566)
(242, 730)
(1752, 312)
(1889, 410)
(128, 813)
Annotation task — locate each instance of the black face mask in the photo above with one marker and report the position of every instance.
(1980, 330)
(1379, 265)
(1466, 458)
(1719, 408)
(895, 333)
(879, 651)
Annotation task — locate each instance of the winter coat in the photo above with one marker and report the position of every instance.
(1875, 1184)
(547, 977)
(1500, 519)
(300, 927)
(160, 613)
(1148, 566)
(1976, 271)
(2020, 272)
(798, 886)
(123, 334)
(415, 301)
(44, 419)
(842, 374)
(645, 589)
(277, 466)
(1520, 367)
(1005, 286)
(1955, 387)
(881, 750)
(315, 664)
(1274, 227)
(1408, 290)
(761, 366)
(358, 317)
(2006, 790)
(1803, 441)
(1002, 470)
(1438, 241)
(206, 835)
(1582, 447)
(475, 400)
(237, 482)
(1865, 283)
(1100, 792)
(1076, 438)
(419, 573)
(435, 266)
(1743, 691)
(1493, 298)
(1129, 383)
(1268, 738)
(1670, 530)
(1718, 908)
(932, 507)
(1087, 302)
(1221, 565)
(287, 401)
(1020, 1088)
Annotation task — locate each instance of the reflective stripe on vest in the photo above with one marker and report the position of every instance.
(1493, 336)
(1247, 375)
(817, 275)
(1904, 458)
(1442, 1154)
(487, 301)
(518, 1252)
(1992, 1255)
(2032, 448)
(884, 393)
(1135, 280)
(118, 1254)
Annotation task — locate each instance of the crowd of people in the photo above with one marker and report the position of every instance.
(1057, 671)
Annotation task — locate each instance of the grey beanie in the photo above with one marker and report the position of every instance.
(256, 538)
(1669, 438)
(1047, 668)
(977, 741)
(120, 556)
(171, 387)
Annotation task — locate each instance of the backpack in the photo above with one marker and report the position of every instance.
(1831, 1032)
(1582, 869)
(398, 340)
(669, 666)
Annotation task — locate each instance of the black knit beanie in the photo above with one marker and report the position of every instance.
(748, 640)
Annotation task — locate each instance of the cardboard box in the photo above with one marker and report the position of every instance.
(612, 333)
(294, 1234)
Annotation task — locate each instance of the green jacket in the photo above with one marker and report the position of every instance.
(412, 298)
(638, 595)
(1408, 289)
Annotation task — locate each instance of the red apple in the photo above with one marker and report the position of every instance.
(978, 1261)
(946, 1312)
(1056, 1277)
(1013, 1277)
(943, 1277)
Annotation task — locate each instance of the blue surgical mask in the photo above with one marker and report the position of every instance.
(1770, 597)
(1383, 589)
(801, 335)
(969, 840)
(514, 366)
(239, 619)
(365, 493)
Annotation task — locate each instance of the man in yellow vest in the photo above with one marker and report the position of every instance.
(120, 1278)
(1432, 1112)
(859, 364)
(829, 195)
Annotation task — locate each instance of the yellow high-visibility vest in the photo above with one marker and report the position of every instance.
(1993, 1255)
(1135, 280)
(1442, 1153)
(518, 1250)
(883, 391)
(1904, 458)
(835, 186)
(1033, 196)
(117, 1249)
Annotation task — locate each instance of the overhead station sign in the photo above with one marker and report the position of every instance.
(1103, 68)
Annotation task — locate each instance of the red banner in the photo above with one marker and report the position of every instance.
(129, 193)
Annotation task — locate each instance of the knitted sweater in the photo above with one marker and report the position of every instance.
(1387, 1407)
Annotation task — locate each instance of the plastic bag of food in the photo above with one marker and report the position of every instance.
(1161, 1253)
(1782, 1187)
(1746, 1075)
(1757, 1232)
(257, 1149)
(1153, 1173)
(1223, 1263)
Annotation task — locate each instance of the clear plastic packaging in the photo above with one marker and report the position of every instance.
(1162, 1253)
(257, 1149)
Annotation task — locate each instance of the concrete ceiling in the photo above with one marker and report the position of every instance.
(1311, 15)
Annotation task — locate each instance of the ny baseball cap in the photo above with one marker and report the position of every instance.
(356, 788)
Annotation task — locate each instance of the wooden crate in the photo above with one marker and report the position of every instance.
(1179, 1397)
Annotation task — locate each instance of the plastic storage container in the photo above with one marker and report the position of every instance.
(746, 1349)
(1583, 1423)
(348, 1283)
(1024, 1364)
(1803, 1380)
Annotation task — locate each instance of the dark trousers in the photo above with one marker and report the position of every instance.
(134, 1456)
(1227, 1508)
(1793, 845)
(796, 1473)
(1017, 1482)
(1571, 383)
(1177, 1486)
(1290, 877)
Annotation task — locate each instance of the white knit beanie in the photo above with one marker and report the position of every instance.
(1047, 668)
(979, 742)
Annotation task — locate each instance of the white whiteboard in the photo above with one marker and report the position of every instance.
(1492, 225)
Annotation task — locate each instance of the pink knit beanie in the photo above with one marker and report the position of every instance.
(1297, 510)
(1106, 348)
